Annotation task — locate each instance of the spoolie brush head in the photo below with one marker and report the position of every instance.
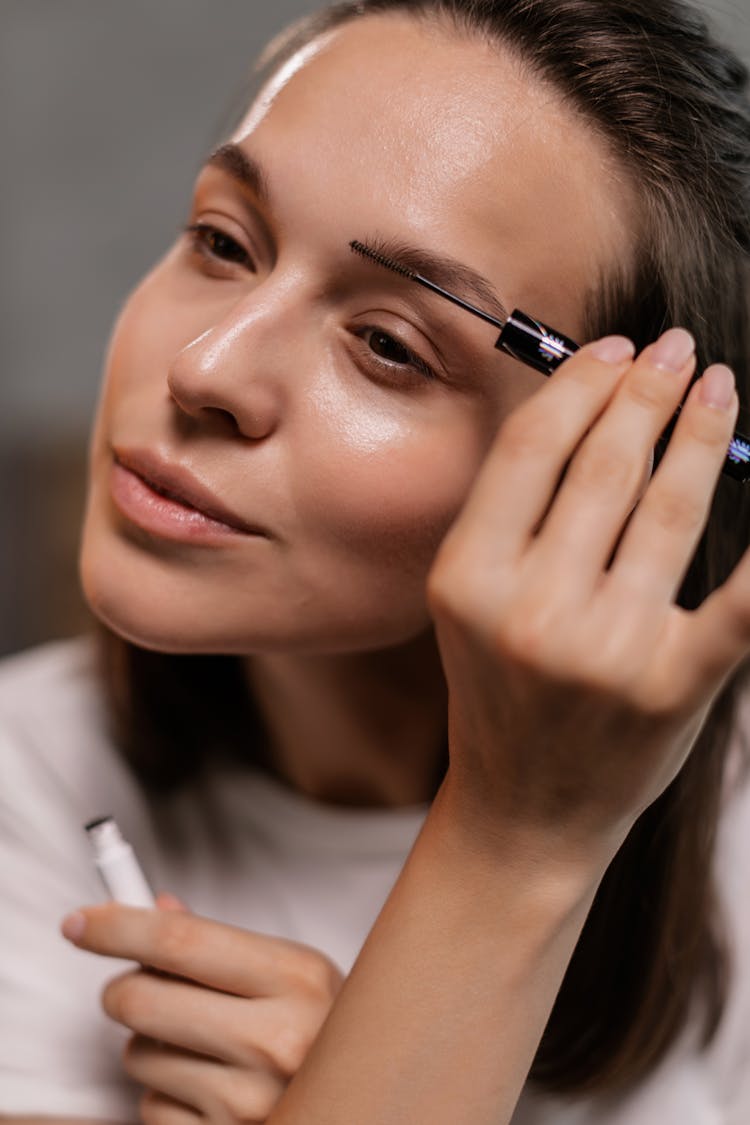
(389, 263)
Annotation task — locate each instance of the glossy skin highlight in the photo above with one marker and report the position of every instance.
(259, 369)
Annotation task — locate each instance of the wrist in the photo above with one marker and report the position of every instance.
(562, 860)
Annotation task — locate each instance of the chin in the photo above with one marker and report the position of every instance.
(134, 606)
(155, 620)
(138, 624)
(155, 605)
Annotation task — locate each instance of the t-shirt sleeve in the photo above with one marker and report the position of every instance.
(59, 1052)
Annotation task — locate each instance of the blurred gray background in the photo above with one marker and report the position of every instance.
(106, 109)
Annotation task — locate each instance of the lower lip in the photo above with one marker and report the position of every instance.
(161, 515)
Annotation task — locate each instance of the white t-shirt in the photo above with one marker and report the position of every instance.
(245, 850)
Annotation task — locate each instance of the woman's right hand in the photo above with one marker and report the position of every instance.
(221, 1017)
(577, 686)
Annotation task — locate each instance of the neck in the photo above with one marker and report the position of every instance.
(362, 730)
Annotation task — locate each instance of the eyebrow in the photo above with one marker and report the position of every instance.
(443, 270)
(233, 160)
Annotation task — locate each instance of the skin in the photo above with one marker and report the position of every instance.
(544, 645)
(258, 380)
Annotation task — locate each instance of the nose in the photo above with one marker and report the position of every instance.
(230, 373)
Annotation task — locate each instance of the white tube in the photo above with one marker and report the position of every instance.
(116, 863)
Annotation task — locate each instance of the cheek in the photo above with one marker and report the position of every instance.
(146, 334)
(383, 483)
(128, 360)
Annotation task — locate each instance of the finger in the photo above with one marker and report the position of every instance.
(664, 532)
(604, 477)
(710, 643)
(213, 953)
(227, 1028)
(518, 478)
(167, 901)
(200, 1083)
(159, 1109)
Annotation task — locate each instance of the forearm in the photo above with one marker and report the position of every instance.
(441, 1015)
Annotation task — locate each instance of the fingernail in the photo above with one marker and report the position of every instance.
(73, 925)
(717, 387)
(613, 349)
(673, 350)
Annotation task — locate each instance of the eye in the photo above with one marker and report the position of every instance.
(388, 347)
(216, 245)
(385, 352)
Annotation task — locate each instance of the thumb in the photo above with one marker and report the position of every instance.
(167, 901)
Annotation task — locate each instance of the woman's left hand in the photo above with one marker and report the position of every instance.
(222, 1017)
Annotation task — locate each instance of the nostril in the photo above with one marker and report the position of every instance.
(216, 419)
(224, 417)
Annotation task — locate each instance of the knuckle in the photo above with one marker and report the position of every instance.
(246, 1100)
(602, 467)
(677, 512)
(707, 426)
(174, 935)
(646, 390)
(541, 634)
(290, 1045)
(446, 579)
(251, 1050)
(455, 585)
(438, 588)
(331, 980)
(313, 975)
(524, 636)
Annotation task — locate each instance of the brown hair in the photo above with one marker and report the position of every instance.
(672, 103)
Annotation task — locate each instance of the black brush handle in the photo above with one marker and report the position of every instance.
(534, 344)
(544, 349)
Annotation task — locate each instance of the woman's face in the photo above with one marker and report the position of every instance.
(331, 414)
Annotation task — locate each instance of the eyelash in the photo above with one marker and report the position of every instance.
(379, 365)
(199, 236)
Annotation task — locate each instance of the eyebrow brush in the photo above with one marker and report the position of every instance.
(536, 345)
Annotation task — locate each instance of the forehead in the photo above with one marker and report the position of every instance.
(413, 130)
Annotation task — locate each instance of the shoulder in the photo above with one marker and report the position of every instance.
(58, 769)
(55, 747)
(41, 686)
(51, 704)
(45, 673)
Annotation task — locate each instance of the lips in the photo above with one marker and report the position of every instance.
(176, 483)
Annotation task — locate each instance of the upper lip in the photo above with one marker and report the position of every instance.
(180, 484)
